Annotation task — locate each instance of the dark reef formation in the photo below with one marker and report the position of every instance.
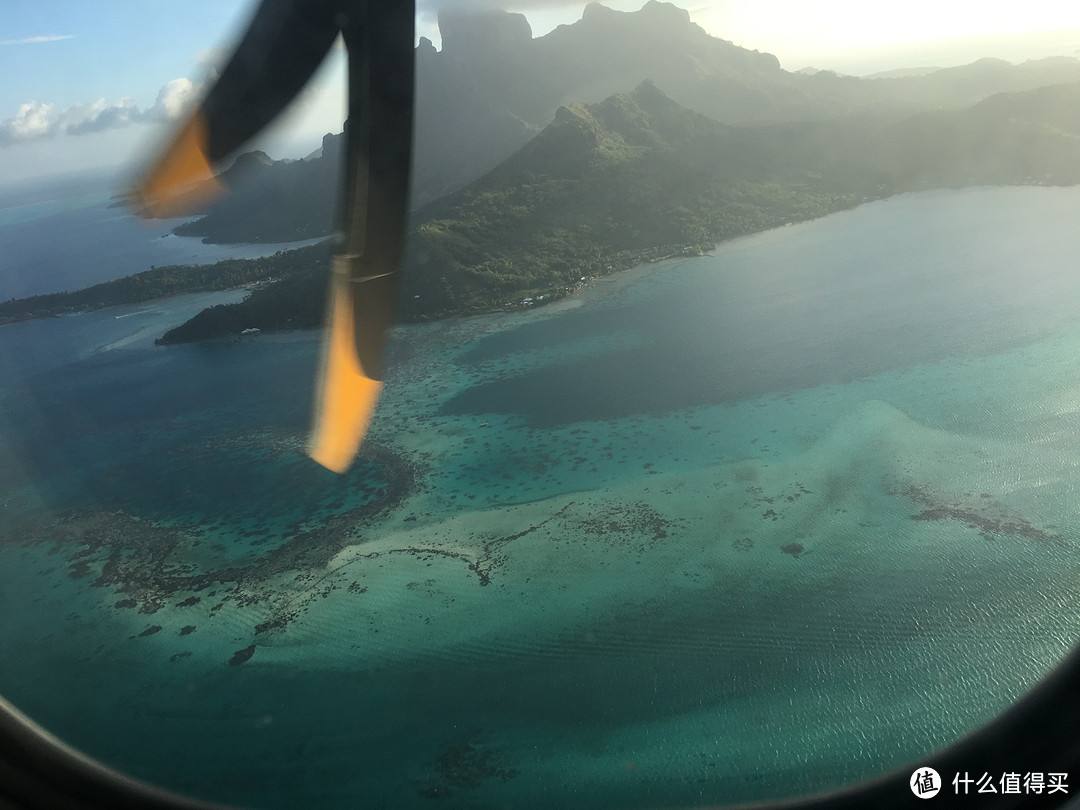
(145, 561)
(756, 497)
(638, 519)
(240, 656)
(990, 518)
(466, 764)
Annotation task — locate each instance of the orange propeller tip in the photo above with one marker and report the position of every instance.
(345, 395)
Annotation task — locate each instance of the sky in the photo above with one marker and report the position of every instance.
(95, 84)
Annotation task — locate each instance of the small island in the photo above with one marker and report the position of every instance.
(160, 282)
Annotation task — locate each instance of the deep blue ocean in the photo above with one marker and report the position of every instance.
(66, 233)
(717, 529)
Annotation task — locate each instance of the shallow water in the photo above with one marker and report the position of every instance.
(713, 530)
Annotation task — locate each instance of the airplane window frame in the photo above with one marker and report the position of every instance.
(37, 770)
(1039, 731)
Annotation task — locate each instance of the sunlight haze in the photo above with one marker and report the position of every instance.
(848, 35)
(87, 89)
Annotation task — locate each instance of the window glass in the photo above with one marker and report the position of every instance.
(726, 448)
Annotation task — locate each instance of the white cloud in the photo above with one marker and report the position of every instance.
(32, 121)
(173, 99)
(36, 40)
(36, 121)
(98, 115)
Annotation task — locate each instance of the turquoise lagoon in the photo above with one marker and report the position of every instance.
(718, 529)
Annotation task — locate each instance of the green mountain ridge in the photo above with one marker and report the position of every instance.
(638, 170)
(273, 200)
(638, 177)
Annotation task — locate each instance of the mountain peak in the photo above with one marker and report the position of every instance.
(256, 157)
(653, 12)
(656, 9)
(598, 11)
(468, 32)
(425, 49)
(586, 135)
(648, 94)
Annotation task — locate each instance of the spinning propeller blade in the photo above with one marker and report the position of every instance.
(284, 44)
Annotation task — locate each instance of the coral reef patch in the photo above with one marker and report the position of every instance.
(465, 764)
(981, 512)
(242, 656)
(150, 563)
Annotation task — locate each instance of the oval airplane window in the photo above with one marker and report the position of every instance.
(725, 438)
